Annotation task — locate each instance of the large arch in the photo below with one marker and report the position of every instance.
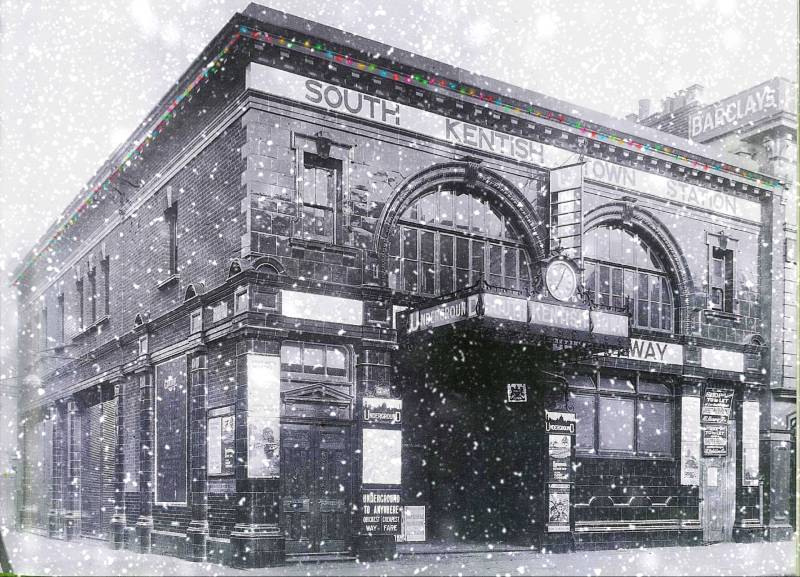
(652, 230)
(508, 198)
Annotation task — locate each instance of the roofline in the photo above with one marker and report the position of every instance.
(373, 48)
(117, 155)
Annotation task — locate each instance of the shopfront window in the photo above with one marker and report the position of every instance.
(622, 415)
(448, 240)
(620, 267)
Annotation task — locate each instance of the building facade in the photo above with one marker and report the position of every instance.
(339, 297)
(760, 124)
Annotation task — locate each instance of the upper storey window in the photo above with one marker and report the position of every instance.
(620, 267)
(448, 240)
(319, 196)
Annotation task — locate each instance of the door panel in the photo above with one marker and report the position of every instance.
(97, 469)
(719, 492)
(316, 487)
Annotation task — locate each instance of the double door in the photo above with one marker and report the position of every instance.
(316, 487)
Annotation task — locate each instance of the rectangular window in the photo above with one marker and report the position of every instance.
(721, 280)
(92, 297)
(654, 430)
(105, 267)
(616, 417)
(196, 321)
(221, 449)
(142, 345)
(171, 220)
(241, 302)
(43, 329)
(81, 317)
(315, 361)
(622, 416)
(60, 318)
(319, 198)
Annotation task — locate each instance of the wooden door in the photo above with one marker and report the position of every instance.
(315, 474)
(97, 469)
(719, 492)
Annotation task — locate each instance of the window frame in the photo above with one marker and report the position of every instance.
(324, 376)
(636, 396)
(334, 167)
(476, 263)
(594, 264)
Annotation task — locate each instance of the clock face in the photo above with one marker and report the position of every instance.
(561, 280)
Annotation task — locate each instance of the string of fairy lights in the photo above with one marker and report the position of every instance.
(134, 153)
(316, 48)
(496, 100)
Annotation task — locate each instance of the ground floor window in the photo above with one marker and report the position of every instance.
(621, 414)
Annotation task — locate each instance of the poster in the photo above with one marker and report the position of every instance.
(557, 507)
(263, 416)
(517, 393)
(221, 450)
(413, 524)
(170, 431)
(750, 425)
(716, 405)
(559, 422)
(715, 440)
(560, 449)
(690, 440)
(380, 511)
(381, 456)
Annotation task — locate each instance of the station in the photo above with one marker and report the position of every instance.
(338, 300)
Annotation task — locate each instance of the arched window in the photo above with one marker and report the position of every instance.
(620, 264)
(448, 239)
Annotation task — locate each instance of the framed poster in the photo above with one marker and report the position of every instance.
(750, 425)
(413, 524)
(690, 440)
(560, 449)
(170, 432)
(381, 511)
(263, 416)
(557, 507)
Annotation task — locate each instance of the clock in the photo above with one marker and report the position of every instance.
(561, 280)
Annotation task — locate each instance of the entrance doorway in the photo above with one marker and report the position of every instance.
(719, 492)
(316, 487)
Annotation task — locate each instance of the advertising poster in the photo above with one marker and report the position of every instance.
(221, 451)
(413, 524)
(715, 440)
(690, 440)
(750, 425)
(560, 449)
(170, 429)
(716, 405)
(263, 416)
(380, 511)
(557, 507)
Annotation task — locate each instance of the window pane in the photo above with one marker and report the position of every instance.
(461, 211)
(616, 424)
(477, 260)
(602, 248)
(426, 246)
(617, 383)
(477, 216)
(291, 358)
(495, 259)
(446, 208)
(410, 275)
(409, 243)
(584, 414)
(314, 359)
(494, 224)
(337, 358)
(445, 279)
(427, 209)
(462, 253)
(510, 258)
(655, 427)
(446, 250)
